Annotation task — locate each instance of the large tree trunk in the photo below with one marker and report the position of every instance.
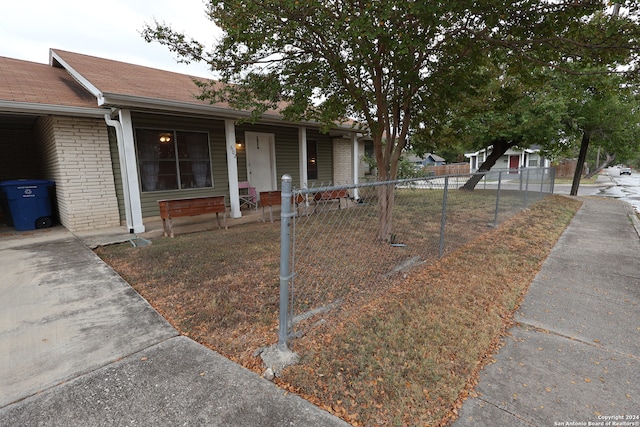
(597, 170)
(387, 159)
(386, 196)
(499, 148)
(584, 146)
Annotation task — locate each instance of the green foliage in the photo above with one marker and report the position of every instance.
(407, 169)
(387, 64)
(401, 68)
(548, 107)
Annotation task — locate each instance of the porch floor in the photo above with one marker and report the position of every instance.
(153, 228)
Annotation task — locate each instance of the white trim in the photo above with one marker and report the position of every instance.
(232, 167)
(132, 171)
(116, 100)
(182, 107)
(302, 158)
(356, 163)
(123, 169)
(61, 110)
(75, 74)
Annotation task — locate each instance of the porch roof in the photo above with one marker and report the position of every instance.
(123, 85)
(30, 87)
(103, 77)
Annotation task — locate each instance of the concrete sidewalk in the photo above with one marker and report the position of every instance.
(78, 346)
(574, 354)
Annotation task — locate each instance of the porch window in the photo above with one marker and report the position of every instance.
(173, 160)
(312, 159)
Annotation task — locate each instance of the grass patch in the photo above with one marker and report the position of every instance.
(405, 353)
(591, 180)
(411, 355)
(219, 288)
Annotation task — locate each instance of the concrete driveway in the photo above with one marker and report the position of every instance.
(65, 313)
(78, 346)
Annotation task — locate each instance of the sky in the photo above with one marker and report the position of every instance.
(108, 29)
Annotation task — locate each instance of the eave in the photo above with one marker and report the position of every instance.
(49, 109)
(114, 100)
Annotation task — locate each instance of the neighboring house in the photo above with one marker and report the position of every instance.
(117, 137)
(428, 160)
(512, 159)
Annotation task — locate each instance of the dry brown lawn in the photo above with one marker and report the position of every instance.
(405, 352)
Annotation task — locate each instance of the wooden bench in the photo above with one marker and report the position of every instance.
(176, 208)
(270, 199)
(304, 200)
(326, 196)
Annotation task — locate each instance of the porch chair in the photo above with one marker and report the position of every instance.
(248, 195)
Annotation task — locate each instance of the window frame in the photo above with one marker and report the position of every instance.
(176, 160)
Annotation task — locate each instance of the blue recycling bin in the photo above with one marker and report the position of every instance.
(26, 204)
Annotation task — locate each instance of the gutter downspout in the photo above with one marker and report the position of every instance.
(123, 170)
(302, 159)
(355, 165)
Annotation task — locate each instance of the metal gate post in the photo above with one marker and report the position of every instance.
(526, 191)
(495, 218)
(285, 271)
(443, 219)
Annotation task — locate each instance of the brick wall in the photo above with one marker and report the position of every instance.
(342, 162)
(76, 156)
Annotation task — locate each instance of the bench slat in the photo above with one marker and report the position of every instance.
(176, 208)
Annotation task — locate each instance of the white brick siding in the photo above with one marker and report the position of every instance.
(76, 156)
(342, 162)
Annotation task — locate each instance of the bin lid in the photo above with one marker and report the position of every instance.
(16, 182)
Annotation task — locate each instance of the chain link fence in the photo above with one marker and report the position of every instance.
(331, 253)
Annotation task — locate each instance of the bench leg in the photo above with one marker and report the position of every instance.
(224, 216)
(270, 213)
(170, 228)
(164, 227)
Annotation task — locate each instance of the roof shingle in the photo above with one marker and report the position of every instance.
(121, 78)
(31, 82)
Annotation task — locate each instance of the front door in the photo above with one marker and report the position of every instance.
(261, 160)
(514, 164)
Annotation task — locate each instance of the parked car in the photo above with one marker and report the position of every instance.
(625, 171)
